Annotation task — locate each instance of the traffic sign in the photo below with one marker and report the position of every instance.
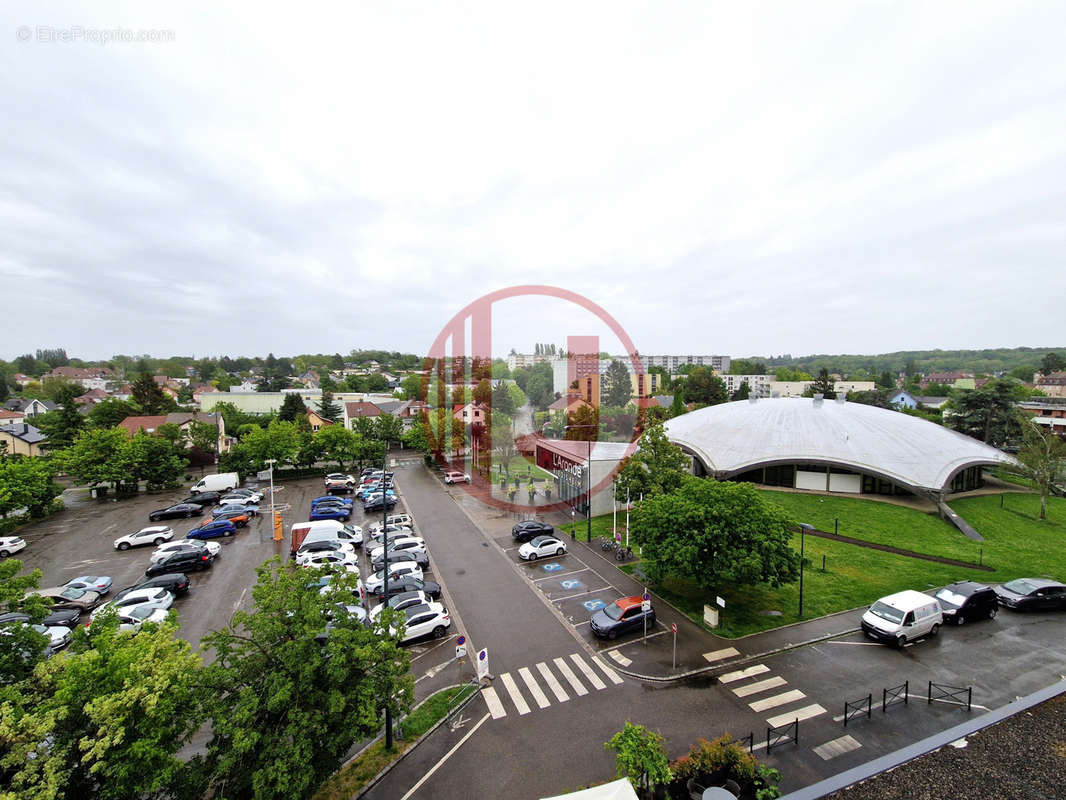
(645, 605)
(460, 650)
(483, 663)
(673, 627)
(461, 640)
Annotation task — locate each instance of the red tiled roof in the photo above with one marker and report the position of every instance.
(5, 414)
(363, 409)
(150, 424)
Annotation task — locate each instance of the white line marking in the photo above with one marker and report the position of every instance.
(718, 655)
(591, 676)
(571, 678)
(759, 686)
(492, 700)
(556, 575)
(439, 644)
(837, 747)
(534, 687)
(580, 594)
(804, 713)
(434, 670)
(863, 644)
(782, 699)
(446, 756)
(553, 684)
(739, 674)
(516, 696)
(610, 673)
(621, 659)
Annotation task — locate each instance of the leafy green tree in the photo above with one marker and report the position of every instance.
(518, 397)
(203, 436)
(109, 413)
(874, 397)
(58, 389)
(21, 647)
(155, 460)
(521, 376)
(742, 393)
(789, 374)
(279, 441)
(27, 365)
(934, 389)
(822, 385)
(327, 409)
(703, 386)
(411, 386)
(988, 413)
(27, 483)
(500, 399)
(171, 432)
(1042, 460)
(746, 366)
(337, 362)
(715, 533)
(499, 369)
(148, 396)
(658, 466)
(677, 406)
(289, 697)
(886, 380)
(1052, 362)
(114, 711)
(584, 425)
(293, 408)
(63, 424)
(338, 445)
(617, 387)
(376, 383)
(1024, 373)
(98, 456)
(640, 756)
(388, 428)
(415, 437)
(501, 434)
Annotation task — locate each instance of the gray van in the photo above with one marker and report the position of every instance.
(903, 617)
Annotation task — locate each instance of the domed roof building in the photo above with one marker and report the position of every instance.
(831, 445)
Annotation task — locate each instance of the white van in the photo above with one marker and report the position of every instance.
(903, 617)
(396, 520)
(222, 482)
(326, 530)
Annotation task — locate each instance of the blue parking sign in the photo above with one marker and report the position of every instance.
(552, 567)
(593, 605)
(571, 584)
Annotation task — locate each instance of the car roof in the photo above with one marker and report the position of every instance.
(543, 537)
(1039, 583)
(628, 602)
(423, 608)
(967, 588)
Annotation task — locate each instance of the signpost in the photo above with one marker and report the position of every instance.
(645, 607)
(673, 627)
(460, 651)
(483, 664)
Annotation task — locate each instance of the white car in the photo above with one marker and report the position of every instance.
(399, 543)
(152, 598)
(247, 495)
(455, 476)
(310, 549)
(155, 534)
(394, 532)
(164, 550)
(330, 558)
(423, 620)
(542, 546)
(400, 601)
(376, 582)
(9, 545)
(349, 609)
(239, 500)
(131, 619)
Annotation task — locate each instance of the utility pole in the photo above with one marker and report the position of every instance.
(385, 577)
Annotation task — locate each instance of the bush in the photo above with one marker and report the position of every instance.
(713, 763)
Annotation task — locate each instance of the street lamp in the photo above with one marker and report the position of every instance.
(804, 527)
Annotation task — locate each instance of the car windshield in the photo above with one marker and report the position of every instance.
(950, 597)
(614, 611)
(886, 612)
(140, 612)
(1020, 586)
(72, 593)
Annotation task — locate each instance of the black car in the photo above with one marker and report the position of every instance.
(63, 618)
(380, 503)
(175, 511)
(204, 498)
(409, 583)
(176, 583)
(524, 531)
(1032, 594)
(967, 601)
(181, 561)
(401, 556)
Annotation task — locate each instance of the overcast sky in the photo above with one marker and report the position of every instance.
(720, 177)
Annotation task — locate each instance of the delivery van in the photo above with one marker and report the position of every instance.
(903, 617)
(323, 530)
(222, 482)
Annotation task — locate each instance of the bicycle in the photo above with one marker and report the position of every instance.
(607, 545)
(623, 553)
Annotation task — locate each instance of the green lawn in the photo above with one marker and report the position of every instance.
(1017, 544)
(518, 465)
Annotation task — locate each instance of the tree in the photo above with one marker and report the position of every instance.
(874, 397)
(501, 399)
(743, 392)
(502, 435)
(1042, 459)
(658, 466)
(640, 756)
(746, 366)
(289, 697)
(338, 444)
(109, 413)
(154, 460)
(988, 413)
(63, 424)
(617, 387)
(27, 483)
(411, 386)
(203, 436)
(147, 395)
(115, 712)
(376, 383)
(715, 533)
(500, 369)
(703, 386)
(1052, 362)
(518, 397)
(277, 442)
(21, 647)
(677, 406)
(293, 407)
(415, 437)
(388, 428)
(483, 393)
(327, 409)
(584, 424)
(97, 456)
(822, 385)
(886, 380)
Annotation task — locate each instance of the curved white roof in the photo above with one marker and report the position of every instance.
(734, 437)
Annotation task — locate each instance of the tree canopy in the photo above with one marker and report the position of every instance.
(617, 387)
(988, 413)
(658, 466)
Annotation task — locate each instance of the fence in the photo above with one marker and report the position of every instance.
(750, 739)
(857, 708)
(950, 694)
(782, 735)
(895, 695)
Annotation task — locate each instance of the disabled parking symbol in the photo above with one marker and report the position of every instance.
(571, 584)
(552, 567)
(593, 605)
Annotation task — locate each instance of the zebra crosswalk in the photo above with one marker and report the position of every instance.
(564, 676)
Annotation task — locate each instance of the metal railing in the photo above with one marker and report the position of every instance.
(894, 696)
(953, 695)
(857, 708)
(782, 735)
(750, 739)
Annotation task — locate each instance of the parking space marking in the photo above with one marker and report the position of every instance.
(592, 677)
(534, 688)
(759, 686)
(612, 676)
(718, 655)
(579, 594)
(571, 678)
(782, 699)
(621, 659)
(516, 696)
(837, 747)
(573, 583)
(553, 684)
(492, 700)
(551, 567)
(740, 674)
(555, 577)
(804, 713)
(593, 605)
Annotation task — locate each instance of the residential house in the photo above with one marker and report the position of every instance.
(317, 421)
(471, 413)
(955, 379)
(931, 402)
(88, 377)
(22, 439)
(11, 417)
(569, 403)
(22, 380)
(200, 390)
(1049, 412)
(1053, 385)
(354, 410)
(243, 386)
(29, 407)
(92, 397)
(663, 400)
(903, 399)
(183, 419)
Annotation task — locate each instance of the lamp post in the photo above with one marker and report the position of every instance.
(385, 573)
(804, 527)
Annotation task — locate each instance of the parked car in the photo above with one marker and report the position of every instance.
(456, 476)
(237, 517)
(164, 550)
(399, 602)
(399, 543)
(902, 617)
(379, 502)
(325, 546)
(1032, 594)
(394, 557)
(176, 583)
(347, 609)
(181, 561)
(330, 511)
(374, 472)
(212, 530)
(332, 500)
(541, 546)
(9, 545)
(339, 477)
(621, 616)
(222, 482)
(176, 511)
(154, 597)
(58, 636)
(335, 559)
(375, 582)
(967, 601)
(132, 619)
(242, 496)
(204, 498)
(59, 618)
(155, 534)
(396, 520)
(394, 531)
(530, 528)
(409, 583)
(424, 620)
(68, 597)
(244, 508)
(101, 584)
